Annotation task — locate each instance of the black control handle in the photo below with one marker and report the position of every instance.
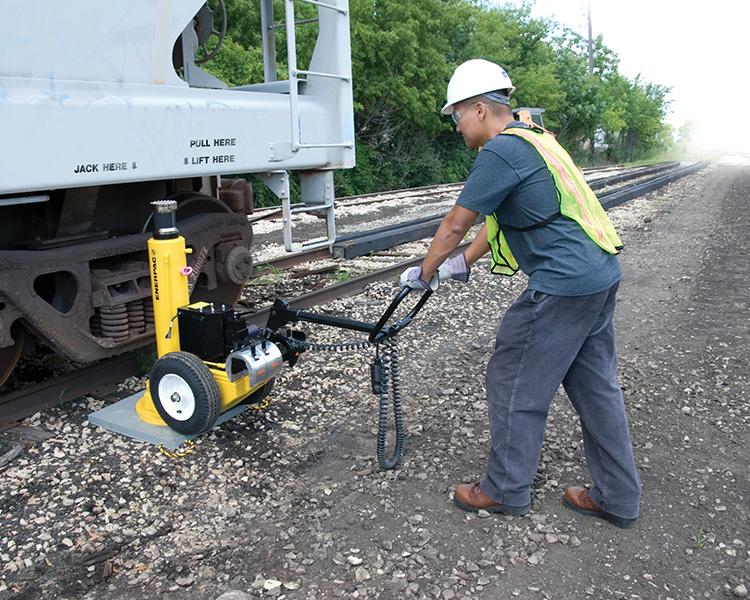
(380, 331)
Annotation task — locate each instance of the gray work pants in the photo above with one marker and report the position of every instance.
(543, 341)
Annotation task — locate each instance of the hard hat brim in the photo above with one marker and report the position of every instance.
(447, 109)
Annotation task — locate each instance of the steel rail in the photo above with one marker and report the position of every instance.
(439, 187)
(293, 260)
(288, 262)
(598, 184)
(621, 195)
(22, 403)
(372, 198)
(376, 240)
(341, 290)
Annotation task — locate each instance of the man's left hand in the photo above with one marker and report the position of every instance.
(456, 268)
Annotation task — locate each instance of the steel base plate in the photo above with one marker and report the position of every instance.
(121, 418)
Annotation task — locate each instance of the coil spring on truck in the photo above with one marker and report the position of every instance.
(121, 321)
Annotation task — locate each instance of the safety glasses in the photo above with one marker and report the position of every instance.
(456, 115)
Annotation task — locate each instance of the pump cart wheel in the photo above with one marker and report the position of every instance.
(185, 393)
(260, 394)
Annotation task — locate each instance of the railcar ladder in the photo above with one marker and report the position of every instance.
(316, 186)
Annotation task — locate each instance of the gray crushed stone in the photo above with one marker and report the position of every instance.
(289, 502)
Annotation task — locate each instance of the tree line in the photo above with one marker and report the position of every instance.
(403, 54)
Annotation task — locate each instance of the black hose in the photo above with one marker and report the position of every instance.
(389, 384)
(390, 376)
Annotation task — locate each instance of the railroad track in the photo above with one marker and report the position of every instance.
(423, 191)
(374, 198)
(22, 403)
(352, 246)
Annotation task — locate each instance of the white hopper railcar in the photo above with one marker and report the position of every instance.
(103, 109)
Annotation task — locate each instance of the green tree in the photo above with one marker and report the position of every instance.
(403, 54)
(510, 37)
(644, 133)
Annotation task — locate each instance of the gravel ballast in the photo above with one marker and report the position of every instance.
(288, 501)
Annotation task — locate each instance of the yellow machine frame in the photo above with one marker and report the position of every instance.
(169, 291)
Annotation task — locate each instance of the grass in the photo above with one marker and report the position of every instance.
(699, 539)
(273, 276)
(342, 276)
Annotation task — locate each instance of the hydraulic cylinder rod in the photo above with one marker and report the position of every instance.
(167, 265)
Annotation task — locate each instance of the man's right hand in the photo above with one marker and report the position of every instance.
(456, 268)
(412, 278)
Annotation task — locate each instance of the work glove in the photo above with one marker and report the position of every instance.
(456, 268)
(412, 278)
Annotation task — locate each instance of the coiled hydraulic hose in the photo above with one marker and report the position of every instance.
(390, 381)
(389, 384)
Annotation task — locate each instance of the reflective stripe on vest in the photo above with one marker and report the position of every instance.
(577, 202)
(502, 261)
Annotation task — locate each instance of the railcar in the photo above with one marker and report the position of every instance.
(104, 108)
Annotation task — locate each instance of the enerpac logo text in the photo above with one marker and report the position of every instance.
(154, 276)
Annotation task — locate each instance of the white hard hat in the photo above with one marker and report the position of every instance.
(473, 78)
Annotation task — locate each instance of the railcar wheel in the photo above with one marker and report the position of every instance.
(234, 264)
(185, 393)
(9, 356)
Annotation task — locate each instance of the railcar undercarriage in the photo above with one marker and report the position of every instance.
(84, 290)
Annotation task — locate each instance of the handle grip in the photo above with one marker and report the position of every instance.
(381, 331)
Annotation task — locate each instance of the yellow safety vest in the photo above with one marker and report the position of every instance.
(577, 202)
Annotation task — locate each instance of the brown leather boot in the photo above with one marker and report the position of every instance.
(577, 499)
(468, 496)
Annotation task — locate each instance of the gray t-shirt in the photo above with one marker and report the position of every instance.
(510, 178)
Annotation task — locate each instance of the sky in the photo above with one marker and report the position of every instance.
(699, 49)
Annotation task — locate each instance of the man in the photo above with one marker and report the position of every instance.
(541, 217)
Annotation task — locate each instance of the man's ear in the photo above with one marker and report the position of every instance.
(482, 108)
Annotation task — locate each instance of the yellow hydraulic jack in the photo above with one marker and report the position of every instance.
(210, 358)
(191, 382)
